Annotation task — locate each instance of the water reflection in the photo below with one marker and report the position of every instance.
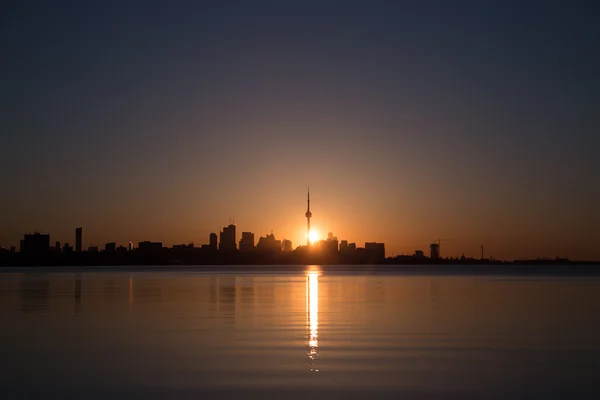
(77, 293)
(35, 294)
(130, 293)
(312, 318)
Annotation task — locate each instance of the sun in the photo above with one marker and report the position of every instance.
(313, 236)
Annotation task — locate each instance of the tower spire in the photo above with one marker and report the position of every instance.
(308, 215)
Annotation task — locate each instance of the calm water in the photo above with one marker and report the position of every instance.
(305, 334)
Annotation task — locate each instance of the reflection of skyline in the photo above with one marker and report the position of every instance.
(312, 318)
(130, 293)
(35, 294)
(77, 293)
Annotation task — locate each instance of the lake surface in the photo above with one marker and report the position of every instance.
(306, 333)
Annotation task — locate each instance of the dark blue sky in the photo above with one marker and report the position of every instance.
(475, 120)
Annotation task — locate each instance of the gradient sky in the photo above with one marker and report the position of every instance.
(474, 121)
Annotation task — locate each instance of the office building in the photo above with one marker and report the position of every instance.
(331, 244)
(78, 239)
(110, 247)
(268, 244)
(434, 251)
(213, 241)
(375, 251)
(286, 245)
(227, 239)
(36, 243)
(149, 247)
(343, 246)
(247, 241)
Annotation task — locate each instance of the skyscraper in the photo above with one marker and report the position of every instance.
(308, 215)
(434, 249)
(286, 245)
(78, 239)
(213, 240)
(375, 251)
(227, 238)
(247, 242)
(35, 244)
(268, 244)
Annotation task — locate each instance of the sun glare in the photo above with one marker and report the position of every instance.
(313, 236)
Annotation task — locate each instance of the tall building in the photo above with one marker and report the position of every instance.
(375, 251)
(149, 247)
(213, 241)
(286, 245)
(78, 239)
(247, 241)
(331, 244)
(343, 245)
(35, 244)
(308, 215)
(434, 251)
(130, 246)
(227, 238)
(268, 244)
(110, 247)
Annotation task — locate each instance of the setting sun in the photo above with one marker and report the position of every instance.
(313, 236)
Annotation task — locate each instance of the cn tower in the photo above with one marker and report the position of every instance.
(308, 215)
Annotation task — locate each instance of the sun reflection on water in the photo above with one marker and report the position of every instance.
(312, 317)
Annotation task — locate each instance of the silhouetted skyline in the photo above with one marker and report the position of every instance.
(413, 120)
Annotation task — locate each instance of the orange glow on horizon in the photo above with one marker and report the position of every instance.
(313, 236)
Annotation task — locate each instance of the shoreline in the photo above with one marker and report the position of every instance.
(453, 269)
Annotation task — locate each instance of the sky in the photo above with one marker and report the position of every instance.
(475, 122)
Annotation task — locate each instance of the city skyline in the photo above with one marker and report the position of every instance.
(230, 240)
(410, 121)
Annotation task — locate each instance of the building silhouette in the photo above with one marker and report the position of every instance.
(78, 239)
(247, 241)
(227, 238)
(343, 246)
(331, 244)
(434, 251)
(308, 216)
(375, 251)
(149, 247)
(269, 244)
(36, 243)
(213, 241)
(286, 245)
(110, 247)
